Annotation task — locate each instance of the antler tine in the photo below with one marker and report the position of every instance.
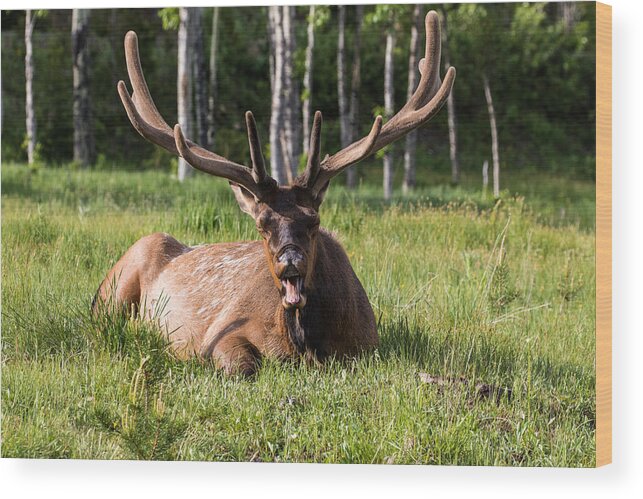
(140, 92)
(200, 159)
(429, 65)
(352, 154)
(409, 119)
(431, 93)
(258, 166)
(146, 119)
(426, 101)
(314, 148)
(155, 135)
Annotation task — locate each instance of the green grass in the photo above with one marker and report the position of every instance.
(500, 293)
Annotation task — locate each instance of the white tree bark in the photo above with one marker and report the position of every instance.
(200, 78)
(568, 12)
(451, 117)
(212, 98)
(271, 42)
(277, 167)
(411, 138)
(453, 140)
(494, 137)
(388, 110)
(30, 21)
(184, 83)
(291, 128)
(341, 76)
(84, 146)
(306, 108)
(356, 82)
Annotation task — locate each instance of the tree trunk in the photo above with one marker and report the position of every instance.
(184, 83)
(30, 21)
(272, 45)
(292, 97)
(84, 146)
(451, 118)
(287, 129)
(212, 98)
(453, 140)
(411, 138)
(356, 82)
(388, 110)
(494, 137)
(200, 78)
(568, 13)
(341, 75)
(306, 108)
(277, 168)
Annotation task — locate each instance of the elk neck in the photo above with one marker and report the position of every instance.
(304, 327)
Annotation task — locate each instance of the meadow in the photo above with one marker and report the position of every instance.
(485, 308)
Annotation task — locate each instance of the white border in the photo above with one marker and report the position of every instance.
(100, 479)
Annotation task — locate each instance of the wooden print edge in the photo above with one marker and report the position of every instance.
(603, 234)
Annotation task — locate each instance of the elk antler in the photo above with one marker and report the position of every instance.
(150, 124)
(312, 166)
(426, 101)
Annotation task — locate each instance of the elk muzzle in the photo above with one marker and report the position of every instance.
(290, 268)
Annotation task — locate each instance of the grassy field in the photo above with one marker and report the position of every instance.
(496, 293)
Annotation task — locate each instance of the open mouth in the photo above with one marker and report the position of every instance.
(292, 284)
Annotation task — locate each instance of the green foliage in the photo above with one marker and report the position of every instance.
(541, 74)
(500, 288)
(322, 16)
(457, 290)
(386, 14)
(170, 18)
(145, 430)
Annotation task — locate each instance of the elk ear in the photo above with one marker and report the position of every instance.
(245, 198)
(320, 196)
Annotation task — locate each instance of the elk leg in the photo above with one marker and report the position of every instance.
(236, 355)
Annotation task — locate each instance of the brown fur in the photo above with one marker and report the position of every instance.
(295, 293)
(222, 301)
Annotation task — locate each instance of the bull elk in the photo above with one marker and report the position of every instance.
(291, 293)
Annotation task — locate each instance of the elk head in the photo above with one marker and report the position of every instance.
(287, 216)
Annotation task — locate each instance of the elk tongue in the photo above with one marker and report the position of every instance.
(292, 288)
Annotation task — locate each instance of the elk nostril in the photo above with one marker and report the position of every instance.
(289, 256)
(285, 258)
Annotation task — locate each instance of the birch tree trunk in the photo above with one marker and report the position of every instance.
(453, 139)
(411, 138)
(341, 74)
(356, 82)
(293, 103)
(568, 13)
(277, 168)
(451, 117)
(287, 129)
(212, 98)
(494, 137)
(84, 146)
(184, 83)
(30, 21)
(388, 110)
(271, 43)
(306, 108)
(200, 78)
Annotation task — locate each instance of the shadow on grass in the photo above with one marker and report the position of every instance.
(477, 356)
